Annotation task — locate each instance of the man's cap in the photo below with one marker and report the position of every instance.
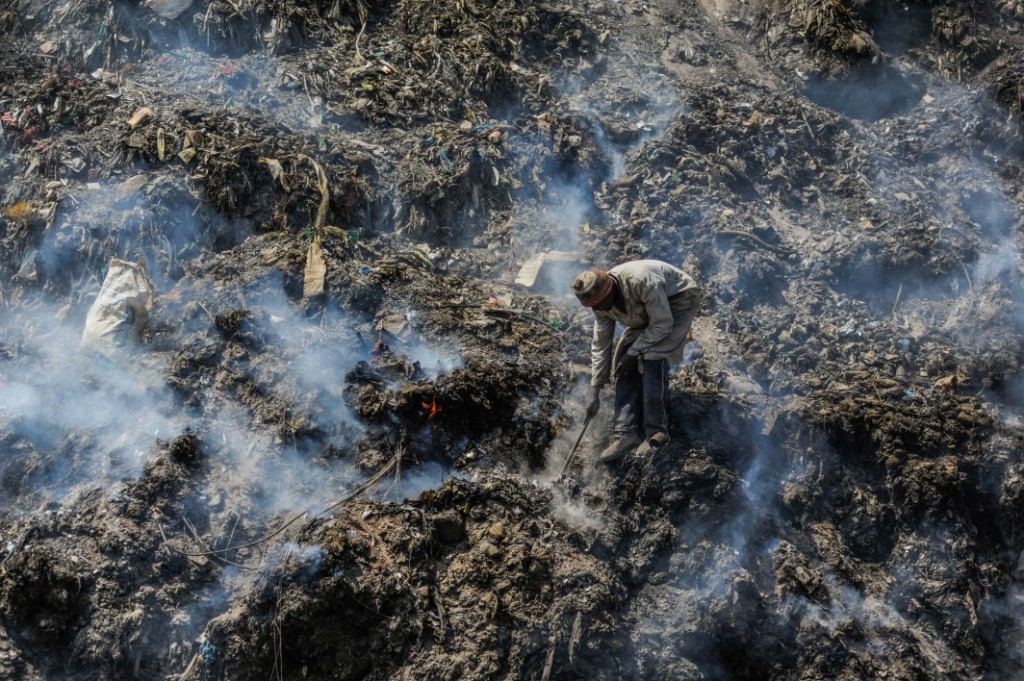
(592, 287)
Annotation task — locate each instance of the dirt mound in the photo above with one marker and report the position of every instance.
(466, 580)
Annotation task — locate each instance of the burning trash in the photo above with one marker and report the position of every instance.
(432, 409)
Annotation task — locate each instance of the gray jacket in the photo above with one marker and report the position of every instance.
(660, 303)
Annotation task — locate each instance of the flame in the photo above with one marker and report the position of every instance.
(434, 407)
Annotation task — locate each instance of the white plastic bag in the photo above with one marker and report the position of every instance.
(121, 309)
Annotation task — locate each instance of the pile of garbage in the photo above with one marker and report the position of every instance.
(289, 368)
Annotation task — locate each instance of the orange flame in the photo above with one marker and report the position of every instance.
(434, 407)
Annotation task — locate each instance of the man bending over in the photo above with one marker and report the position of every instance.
(656, 303)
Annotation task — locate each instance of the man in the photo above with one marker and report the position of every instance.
(656, 302)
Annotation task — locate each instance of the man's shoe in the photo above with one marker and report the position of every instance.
(653, 442)
(621, 444)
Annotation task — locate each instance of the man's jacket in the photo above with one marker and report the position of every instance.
(660, 303)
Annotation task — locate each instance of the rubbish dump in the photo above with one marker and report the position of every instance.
(351, 442)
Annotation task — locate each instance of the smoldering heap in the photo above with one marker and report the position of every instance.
(332, 449)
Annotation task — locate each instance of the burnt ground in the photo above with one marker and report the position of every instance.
(363, 484)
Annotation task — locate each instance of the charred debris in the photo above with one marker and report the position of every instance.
(324, 440)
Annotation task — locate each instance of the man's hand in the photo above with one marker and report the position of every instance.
(626, 366)
(594, 404)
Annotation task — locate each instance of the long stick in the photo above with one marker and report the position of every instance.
(388, 467)
(572, 452)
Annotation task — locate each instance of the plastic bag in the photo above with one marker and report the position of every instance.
(121, 309)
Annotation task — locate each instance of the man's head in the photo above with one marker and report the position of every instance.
(594, 289)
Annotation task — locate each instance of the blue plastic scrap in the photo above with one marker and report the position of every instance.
(208, 651)
(447, 162)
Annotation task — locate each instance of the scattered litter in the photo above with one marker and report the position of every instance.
(140, 117)
(531, 271)
(168, 9)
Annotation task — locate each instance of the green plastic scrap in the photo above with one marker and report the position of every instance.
(420, 258)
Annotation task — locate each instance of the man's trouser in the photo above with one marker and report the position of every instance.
(641, 398)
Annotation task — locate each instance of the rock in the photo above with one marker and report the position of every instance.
(448, 527)
(742, 385)
(497, 531)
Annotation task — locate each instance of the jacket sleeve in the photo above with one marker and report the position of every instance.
(660, 321)
(601, 350)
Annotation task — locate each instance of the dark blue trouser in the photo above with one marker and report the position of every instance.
(641, 400)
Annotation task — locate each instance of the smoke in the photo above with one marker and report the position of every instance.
(303, 361)
(1004, 629)
(257, 473)
(560, 447)
(569, 205)
(576, 513)
(623, 118)
(442, 358)
(311, 347)
(71, 417)
(409, 484)
(299, 371)
(869, 95)
(1002, 262)
(307, 558)
(615, 121)
(1010, 405)
(254, 85)
(887, 632)
(763, 468)
(847, 604)
(143, 218)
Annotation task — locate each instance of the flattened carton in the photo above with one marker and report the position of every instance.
(121, 309)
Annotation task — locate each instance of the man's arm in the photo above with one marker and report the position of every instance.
(659, 324)
(601, 350)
